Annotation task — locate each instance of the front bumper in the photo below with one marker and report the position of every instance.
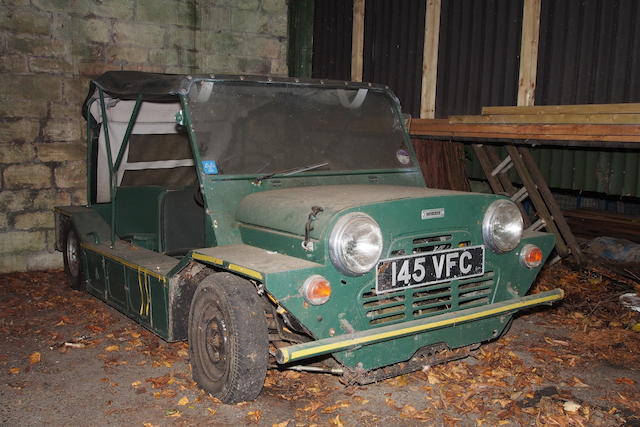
(357, 339)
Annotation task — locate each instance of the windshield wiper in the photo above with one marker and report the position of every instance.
(288, 172)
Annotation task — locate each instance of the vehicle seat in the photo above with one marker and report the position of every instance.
(181, 222)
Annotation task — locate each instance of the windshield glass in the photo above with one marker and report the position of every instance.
(245, 128)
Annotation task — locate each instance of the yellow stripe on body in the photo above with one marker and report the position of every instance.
(207, 258)
(247, 271)
(122, 261)
(420, 328)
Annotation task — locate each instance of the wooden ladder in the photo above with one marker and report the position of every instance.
(547, 212)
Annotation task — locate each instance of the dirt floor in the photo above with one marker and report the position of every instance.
(68, 359)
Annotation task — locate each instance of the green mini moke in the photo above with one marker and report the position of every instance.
(280, 222)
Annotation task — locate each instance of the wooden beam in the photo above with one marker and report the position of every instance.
(565, 109)
(529, 52)
(430, 59)
(357, 41)
(602, 119)
(425, 126)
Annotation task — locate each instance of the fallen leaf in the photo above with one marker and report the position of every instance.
(149, 425)
(336, 421)
(173, 413)
(254, 416)
(212, 411)
(408, 411)
(112, 348)
(184, 400)
(625, 380)
(571, 406)
(311, 407)
(392, 404)
(14, 371)
(34, 357)
(136, 383)
(168, 393)
(282, 424)
(335, 407)
(361, 400)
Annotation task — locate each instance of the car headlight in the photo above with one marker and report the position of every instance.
(502, 226)
(355, 243)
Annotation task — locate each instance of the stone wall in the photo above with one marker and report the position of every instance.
(50, 48)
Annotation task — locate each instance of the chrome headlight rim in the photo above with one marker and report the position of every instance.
(335, 250)
(488, 226)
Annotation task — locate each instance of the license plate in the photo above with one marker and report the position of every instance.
(429, 268)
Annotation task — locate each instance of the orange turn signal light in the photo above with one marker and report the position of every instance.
(316, 290)
(531, 256)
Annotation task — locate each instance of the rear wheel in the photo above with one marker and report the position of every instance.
(73, 263)
(228, 341)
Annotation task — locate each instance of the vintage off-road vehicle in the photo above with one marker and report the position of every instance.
(277, 221)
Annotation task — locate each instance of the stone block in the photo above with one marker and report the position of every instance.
(96, 30)
(27, 21)
(146, 35)
(56, 130)
(278, 7)
(72, 110)
(19, 131)
(59, 152)
(93, 69)
(179, 57)
(241, 4)
(214, 18)
(44, 261)
(74, 91)
(14, 64)
(218, 44)
(70, 175)
(183, 38)
(50, 65)
(121, 9)
(167, 12)
(11, 201)
(4, 221)
(79, 7)
(40, 88)
(27, 176)
(279, 67)
(127, 54)
(33, 220)
(22, 241)
(249, 21)
(254, 65)
(16, 153)
(10, 263)
(48, 199)
(40, 46)
(77, 197)
(261, 47)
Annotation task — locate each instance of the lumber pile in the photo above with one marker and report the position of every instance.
(589, 122)
(591, 223)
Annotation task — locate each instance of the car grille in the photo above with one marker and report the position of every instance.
(430, 300)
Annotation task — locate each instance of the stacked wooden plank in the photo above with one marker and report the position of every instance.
(589, 122)
(591, 223)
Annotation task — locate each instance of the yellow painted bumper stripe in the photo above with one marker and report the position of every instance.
(207, 258)
(328, 348)
(122, 261)
(247, 271)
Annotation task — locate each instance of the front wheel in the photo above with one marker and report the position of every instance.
(228, 340)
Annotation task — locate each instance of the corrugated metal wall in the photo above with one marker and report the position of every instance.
(393, 44)
(332, 29)
(589, 53)
(478, 55)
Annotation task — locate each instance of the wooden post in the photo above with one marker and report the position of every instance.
(529, 52)
(430, 59)
(357, 40)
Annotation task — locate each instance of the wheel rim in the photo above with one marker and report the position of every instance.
(72, 255)
(216, 342)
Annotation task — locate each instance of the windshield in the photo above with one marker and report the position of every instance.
(245, 128)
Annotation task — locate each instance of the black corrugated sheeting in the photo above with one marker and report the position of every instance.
(589, 52)
(393, 44)
(478, 55)
(332, 29)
